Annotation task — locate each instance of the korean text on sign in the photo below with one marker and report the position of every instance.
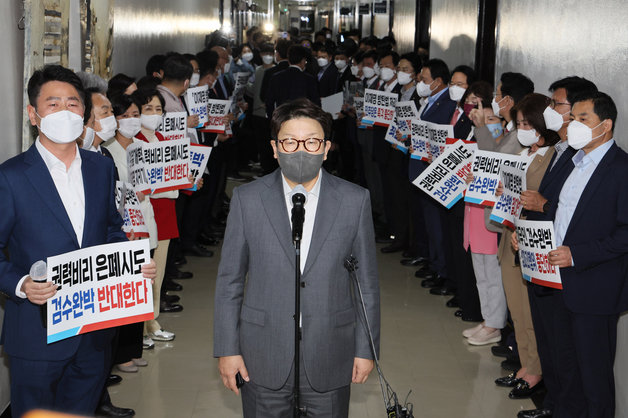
(379, 107)
(130, 210)
(486, 167)
(196, 99)
(536, 239)
(99, 287)
(199, 156)
(174, 126)
(216, 111)
(508, 206)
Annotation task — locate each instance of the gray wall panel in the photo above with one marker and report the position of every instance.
(550, 40)
(403, 26)
(454, 31)
(146, 27)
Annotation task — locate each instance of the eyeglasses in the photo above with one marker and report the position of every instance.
(554, 103)
(310, 144)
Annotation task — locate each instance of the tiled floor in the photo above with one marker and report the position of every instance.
(422, 350)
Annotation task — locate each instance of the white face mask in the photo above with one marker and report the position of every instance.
(240, 62)
(355, 70)
(456, 93)
(267, 59)
(129, 127)
(368, 72)
(376, 68)
(195, 79)
(151, 122)
(247, 56)
(495, 106)
(227, 67)
(527, 137)
(387, 74)
(108, 128)
(424, 90)
(322, 62)
(88, 138)
(340, 64)
(328, 36)
(61, 127)
(404, 78)
(580, 135)
(553, 120)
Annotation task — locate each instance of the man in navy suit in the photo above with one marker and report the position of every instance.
(328, 73)
(439, 109)
(55, 199)
(293, 82)
(591, 224)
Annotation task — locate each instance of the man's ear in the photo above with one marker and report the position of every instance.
(273, 144)
(32, 115)
(327, 148)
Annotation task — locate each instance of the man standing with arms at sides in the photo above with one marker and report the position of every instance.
(253, 321)
(55, 199)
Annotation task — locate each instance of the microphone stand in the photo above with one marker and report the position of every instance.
(298, 216)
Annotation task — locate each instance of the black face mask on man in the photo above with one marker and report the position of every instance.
(300, 166)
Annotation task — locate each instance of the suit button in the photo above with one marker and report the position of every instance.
(302, 284)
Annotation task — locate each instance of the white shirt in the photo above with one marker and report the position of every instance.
(69, 185)
(389, 87)
(311, 203)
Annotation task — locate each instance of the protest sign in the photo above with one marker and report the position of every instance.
(130, 210)
(536, 239)
(199, 155)
(196, 98)
(241, 79)
(437, 138)
(138, 176)
(379, 107)
(332, 104)
(216, 111)
(485, 167)
(391, 136)
(167, 165)
(420, 140)
(100, 287)
(174, 125)
(508, 206)
(444, 178)
(405, 112)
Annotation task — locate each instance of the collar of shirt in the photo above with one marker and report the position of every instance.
(314, 192)
(581, 159)
(371, 80)
(51, 161)
(509, 126)
(407, 95)
(561, 147)
(296, 66)
(391, 86)
(431, 99)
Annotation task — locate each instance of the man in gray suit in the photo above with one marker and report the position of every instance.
(254, 306)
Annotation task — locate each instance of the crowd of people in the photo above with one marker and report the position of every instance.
(563, 340)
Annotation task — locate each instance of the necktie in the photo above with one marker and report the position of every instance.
(454, 118)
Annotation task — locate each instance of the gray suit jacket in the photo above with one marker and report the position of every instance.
(254, 303)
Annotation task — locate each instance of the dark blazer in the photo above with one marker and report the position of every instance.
(288, 85)
(344, 77)
(328, 81)
(223, 87)
(463, 126)
(268, 74)
(33, 226)
(254, 303)
(381, 148)
(598, 239)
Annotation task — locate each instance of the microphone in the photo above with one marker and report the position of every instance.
(298, 197)
(38, 274)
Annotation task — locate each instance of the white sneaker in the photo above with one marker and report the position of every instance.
(148, 343)
(139, 362)
(470, 331)
(484, 336)
(162, 335)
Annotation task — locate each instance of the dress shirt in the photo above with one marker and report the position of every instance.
(69, 185)
(322, 71)
(559, 148)
(389, 87)
(431, 99)
(585, 165)
(311, 203)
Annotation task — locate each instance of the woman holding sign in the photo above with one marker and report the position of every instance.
(533, 134)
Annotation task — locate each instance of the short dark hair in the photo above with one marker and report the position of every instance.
(142, 96)
(481, 89)
(52, 73)
(391, 53)
(516, 85)
(413, 59)
(119, 83)
(297, 53)
(177, 68)
(467, 71)
(282, 47)
(207, 62)
(121, 103)
(603, 105)
(299, 108)
(148, 81)
(155, 64)
(438, 69)
(89, 103)
(531, 108)
(370, 54)
(266, 49)
(573, 85)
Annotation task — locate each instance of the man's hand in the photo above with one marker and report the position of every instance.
(561, 256)
(500, 190)
(532, 200)
(192, 121)
(38, 293)
(514, 243)
(140, 196)
(149, 271)
(228, 367)
(470, 178)
(361, 369)
(199, 184)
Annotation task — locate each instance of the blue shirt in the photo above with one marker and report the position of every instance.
(585, 165)
(431, 99)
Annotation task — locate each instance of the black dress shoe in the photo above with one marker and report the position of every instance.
(179, 261)
(113, 379)
(166, 307)
(425, 273)
(179, 275)
(408, 254)
(453, 303)
(437, 281)
(458, 313)
(204, 239)
(169, 298)
(392, 248)
(417, 261)
(198, 251)
(384, 240)
(535, 413)
(171, 285)
(509, 381)
(523, 390)
(442, 291)
(511, 364)
(501, 351)
(114, 411)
